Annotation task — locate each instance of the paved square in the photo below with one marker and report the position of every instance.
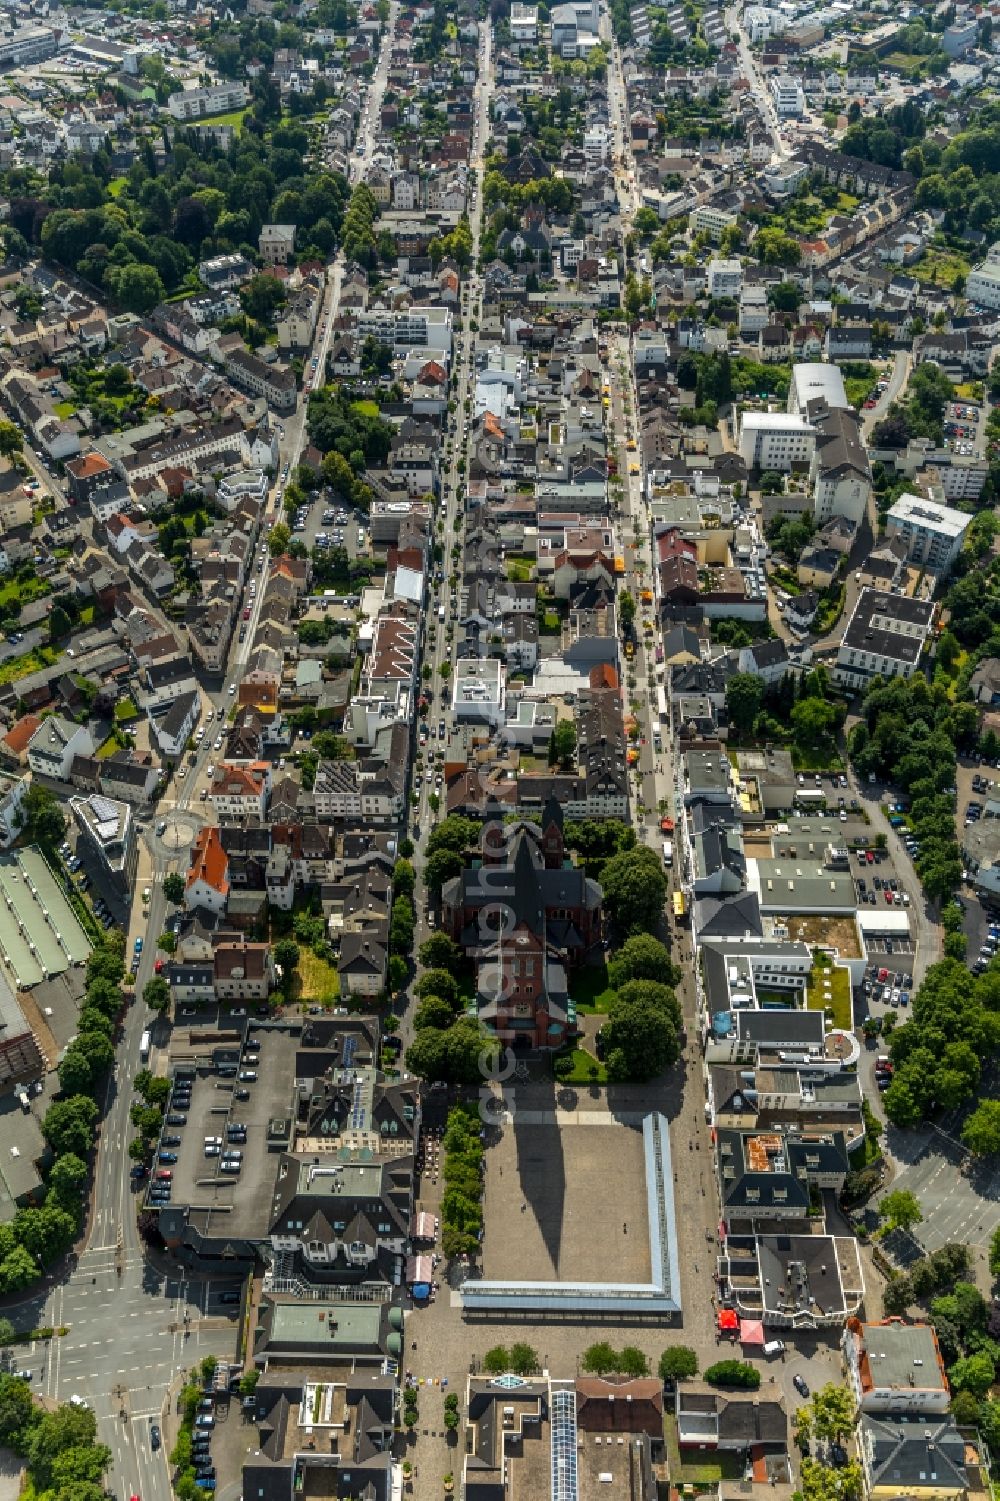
(566, 1202)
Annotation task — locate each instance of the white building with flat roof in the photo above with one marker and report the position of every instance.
(816, 382)
(983, 282)
(933, 533)
(478, 693)
(776, 440)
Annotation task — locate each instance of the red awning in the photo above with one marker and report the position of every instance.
(751, 1332)
(422, 1226)
(728, 1320)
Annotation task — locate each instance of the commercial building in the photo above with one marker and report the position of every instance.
(709, 218)
(108, 829)
(815, 381)
(776, 440)
(725, 277)
(895, 1367)
(407, 328)
(789, 100)
(885, 638)
(933, 534)
(478, 692)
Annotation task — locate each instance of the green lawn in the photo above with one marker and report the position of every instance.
(365, 408)
(590, 989)
(115, 185)
(804, 760)
(837, 1000)
(586, 1068)
(125, 710)
(940, 266)
(31, 661)
(320, 981)
(235, 118)
(64, 409)
(705, 1470)
(519, 570)
(107, 748)
(23, 591)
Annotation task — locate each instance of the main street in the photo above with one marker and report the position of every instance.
(440, 639)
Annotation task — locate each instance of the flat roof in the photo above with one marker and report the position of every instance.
(220, 1204)
(327, 1324)
(40, 934)
(800, 886)
(903, 1355)
(928, 515)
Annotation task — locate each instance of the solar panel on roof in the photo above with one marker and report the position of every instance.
(350, 1048)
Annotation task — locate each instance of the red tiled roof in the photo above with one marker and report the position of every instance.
(17, 737)
(209, 862)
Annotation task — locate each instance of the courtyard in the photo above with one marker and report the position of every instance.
(566, 1200)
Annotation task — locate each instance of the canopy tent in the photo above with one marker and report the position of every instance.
(728, 1320)
(751, 1332)
(422, 1226)
(419, 1272)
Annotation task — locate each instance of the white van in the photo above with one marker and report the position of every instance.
(668, 853)
(774, 1347)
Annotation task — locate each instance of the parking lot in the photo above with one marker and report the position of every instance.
(959, 1203)
(326, 522)
(962, 431)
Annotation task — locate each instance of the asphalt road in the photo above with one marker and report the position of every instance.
(443, 648)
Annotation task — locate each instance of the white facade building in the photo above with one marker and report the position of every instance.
(933, 534)
(776, 440)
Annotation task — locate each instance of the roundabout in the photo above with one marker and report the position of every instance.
(180, 829)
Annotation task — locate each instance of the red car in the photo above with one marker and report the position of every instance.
(888, 898)
(870, 856)
(246, 613)
(158, 966)
(883, 975)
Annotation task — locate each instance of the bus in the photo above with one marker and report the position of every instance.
(144, 1046)
(662, 711)
(680, 906)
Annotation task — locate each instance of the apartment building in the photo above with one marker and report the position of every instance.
(402, 329)
(193, 104)
(776, 440)
(274, 383)
(894, 1367)
(885, 638)
(932, 534)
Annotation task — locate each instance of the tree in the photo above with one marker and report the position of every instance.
(600, 1359)
(496, 1361)
(68, 1125)
(452, 1056)
(995, 1253)
(67, 1180)
(626, 611)
(813, 722)
(53, 1433)
(562, 743)
(156, 993)
(433, 1012)
(632, 1362)
(76, 1077)
(744, 696)
(678, 1363)
(60, 624)
(262, 297)
(16, 1410)
(138, 288)
(440, 952)
(523, 1359)
(901, 1209)
(398, 972)
(981, 1132)
(832, 1411)
(45, 823)
(733, 1373)
(634, 890)
(173, 888)
(278, 541)
(651, 993)
(438, 982)
(639, 1040)
(443, 865)
(642, 957)
(286, 957)
(975, 1373)
(403, 878)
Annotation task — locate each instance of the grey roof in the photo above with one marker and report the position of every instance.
(914, 1451)
(889, 625)
(894, 1350)
(728, 917)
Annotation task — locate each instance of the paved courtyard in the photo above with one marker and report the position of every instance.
(566, 1200)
